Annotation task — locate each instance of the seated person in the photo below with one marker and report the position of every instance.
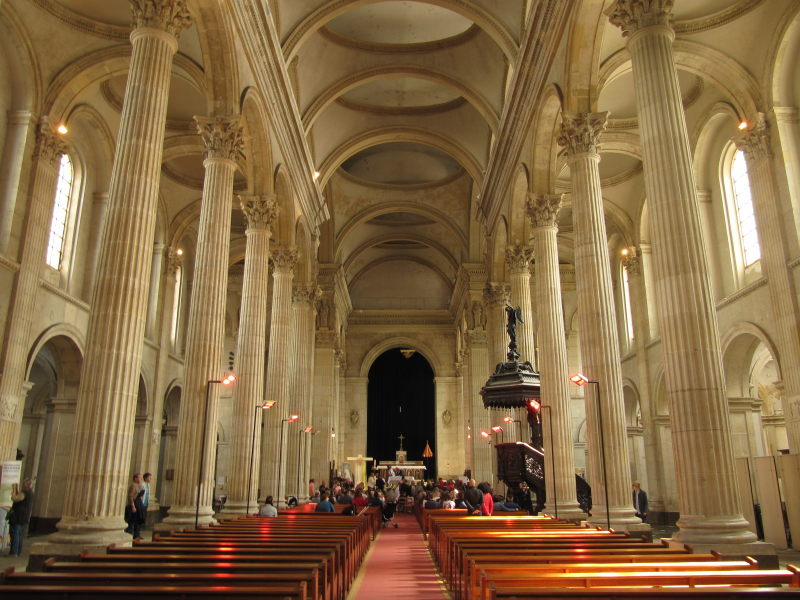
(349, 511)
(345, 498)
(359, 501)
(324, 505)
(268, 510)
(501, 505)
(375, 499)
(431, 502)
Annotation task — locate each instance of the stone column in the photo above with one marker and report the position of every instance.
(260, 212)
(99, 206)
(483, 453)
(496, 296)
(326, 342)
(49, 148)
(598, 326)
(755, 142)
(98, 474)
(194, 459)
(155, 280)
(518, 259)
(279, 376)
(304, 298)
(632, 263)
(553, 370)
(17, 136)
(706, 481)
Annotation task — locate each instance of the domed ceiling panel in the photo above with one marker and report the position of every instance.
(111, 12)
(401, 92)
(402, 284)
(399, 22)
(401, 163)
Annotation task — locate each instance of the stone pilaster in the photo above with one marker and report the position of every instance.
(49, 148)
(197, 428)
(18, 135)
(99, 207)
(652, 483)
(559, 460)
(755, 142)
(706, 481)
(279, 365)
(325, 349)
(155, 280)
(98, 474)
(496, 295)
(261, 212)
(304, 299)
(598, 326)
(483, 454)
(518, 260)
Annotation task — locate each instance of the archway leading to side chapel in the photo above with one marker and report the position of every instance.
(401, 400)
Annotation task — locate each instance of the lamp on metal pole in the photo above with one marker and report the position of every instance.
(539, 406)
(582, 380)
(498, 430)
(259, 407)
(201, 471)
(291, 419)
(511, 420)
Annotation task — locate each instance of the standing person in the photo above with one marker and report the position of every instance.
(145, 487)
(487, 505)
(19, 515)
(311, 488)
(640, 501)
(268, 510)
(134, 508)
(473, 498)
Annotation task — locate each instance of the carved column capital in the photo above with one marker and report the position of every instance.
(222, 136)
(632, 261)
(754, 141)
(49, 146)
(519, 258)
(580, 133)
(172, 259)
(543, 209)
(496, 294)
(306, 293)
(477, 337)
(260, 211)
(327, 339)
(284, 259)
(171, 16)
(633, 15)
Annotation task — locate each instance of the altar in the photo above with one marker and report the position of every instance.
(413, 468)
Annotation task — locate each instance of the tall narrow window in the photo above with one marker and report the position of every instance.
(176, 305)
(748, 235)
(626, 290)
(58, 226)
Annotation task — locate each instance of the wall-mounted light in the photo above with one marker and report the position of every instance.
(179, 252)
(743, 125)
(62, 129)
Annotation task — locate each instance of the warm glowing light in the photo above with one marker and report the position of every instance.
(743, 125)
(497, 428)
(62, 129)
(485, 434)
(535, 404)
(229, 379)
(625, 252)
(507, 419)
(333, 435)
(179, 251)
(268, 404)
(308, 429)
(316, 175)
(293, 418)
(579, 379)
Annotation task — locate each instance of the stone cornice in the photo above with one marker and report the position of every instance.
(65, 296)
(419, 48)
(8, 263)
(540, 42)
(361, 317)
(84, 24)
(739, 294)
(256, 32)
(718, 19)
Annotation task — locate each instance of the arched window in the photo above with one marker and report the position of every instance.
(748, 235)
(626, 301)
(176, 305)
(61, 208)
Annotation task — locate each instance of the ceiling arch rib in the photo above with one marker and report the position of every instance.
(352, 279)
(341, 87)
(330, 10)
(401, 237)
(398, 134)
(404, 207)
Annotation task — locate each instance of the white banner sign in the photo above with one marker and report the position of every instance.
(9, 476)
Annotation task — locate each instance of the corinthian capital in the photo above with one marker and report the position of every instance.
(222, 136)
(519, 258)
(496, 294)
(632, 15)
(543, 209)
(580, 133)
(632, 261)
(260, 211)
(49, 146)
(306, 294)
(173, 259)
(284, 259)
(754, 141)
(170, 15)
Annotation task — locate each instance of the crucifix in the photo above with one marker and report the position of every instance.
(401, 437)
(359, 468)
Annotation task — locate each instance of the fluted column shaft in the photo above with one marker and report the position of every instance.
(278, 374)
(20, 318)
(598, 324)
(483, 453)
(98, 472)
(496, 296)
(206, 328)
(99, 207)
(632, 263)
(304, 302)
(755, 142)
(17, 136)
(260, 212)
(155, 279)
(706, 482)
(325, 344)
(553, 368)
(518, 259)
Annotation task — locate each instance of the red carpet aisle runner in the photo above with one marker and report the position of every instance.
(399, 566)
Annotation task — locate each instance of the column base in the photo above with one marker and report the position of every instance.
(699, 530)
(74, 536)
(621, 520)
(239, 509)
(763, 552)
(183, 517)
(569, 512)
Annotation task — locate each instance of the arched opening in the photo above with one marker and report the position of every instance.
(401, 401)
(169, 442)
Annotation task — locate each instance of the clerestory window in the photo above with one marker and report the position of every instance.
(61, 208)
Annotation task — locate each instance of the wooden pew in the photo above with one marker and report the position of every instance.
(743, 593)
(151, 592)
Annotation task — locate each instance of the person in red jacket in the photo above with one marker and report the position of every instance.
(487, 507)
